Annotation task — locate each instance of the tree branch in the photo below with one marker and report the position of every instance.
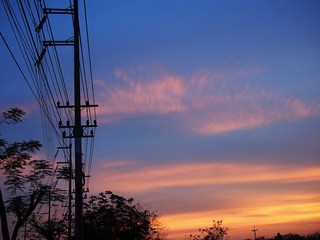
(3, 217)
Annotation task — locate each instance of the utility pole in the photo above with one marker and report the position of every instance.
(254, 230)
(77, 128)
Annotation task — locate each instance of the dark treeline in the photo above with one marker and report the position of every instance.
(218, 231)
(292, 236)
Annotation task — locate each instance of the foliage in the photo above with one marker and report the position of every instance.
(294, 236)
(109, 216)
(54, 229)
(289, 236)
(26, 180)
(12, 116)
(216, 232)
(313, 236)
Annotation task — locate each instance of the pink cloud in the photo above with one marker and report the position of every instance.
(237, 115)
(207, 102)
(159, 96)
(222, 103)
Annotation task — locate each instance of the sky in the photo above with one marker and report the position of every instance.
(208, 110)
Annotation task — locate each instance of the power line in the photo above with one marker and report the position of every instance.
(46, 77)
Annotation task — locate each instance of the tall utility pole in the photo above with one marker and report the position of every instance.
(77, 129)
(254, 230)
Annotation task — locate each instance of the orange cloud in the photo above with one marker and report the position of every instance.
(197, 174)
(269, 220)
(239, 194)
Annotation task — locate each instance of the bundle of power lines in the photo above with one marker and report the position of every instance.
(43, 40)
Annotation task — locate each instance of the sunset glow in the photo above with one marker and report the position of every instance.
(241, 194)
(208, 110)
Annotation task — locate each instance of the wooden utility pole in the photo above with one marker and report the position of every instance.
(77, 129)
(254, 230)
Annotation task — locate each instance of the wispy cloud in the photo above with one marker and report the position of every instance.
(269, 220)
(243, 112)
(191, 195)
(197, 174)
(208, 102)
(157, 96)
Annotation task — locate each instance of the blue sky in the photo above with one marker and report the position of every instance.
(207, 110)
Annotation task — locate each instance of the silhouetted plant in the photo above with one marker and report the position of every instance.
(109, 216)
(216, 232)
(25, 179)
(293, 236)
(54, 229)
(313, 236)
(12, 116)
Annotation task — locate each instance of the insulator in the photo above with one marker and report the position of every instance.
(67, 103)
(58, 104)
(87, 189)
(60, 123)
(68, 123)
(38, 61)
(44, 18)
(64, 134)
(87, 122)
(95, 122)
(87, 103)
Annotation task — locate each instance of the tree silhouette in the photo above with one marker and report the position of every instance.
(25, 178)
(54, 229)
(293, 236)
(12, 116)
(216, 232)
(109, 216)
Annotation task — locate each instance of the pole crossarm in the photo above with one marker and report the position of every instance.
(58, 11)
(83, 128)
(89, 125)
(58, 43)
(73, 106)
